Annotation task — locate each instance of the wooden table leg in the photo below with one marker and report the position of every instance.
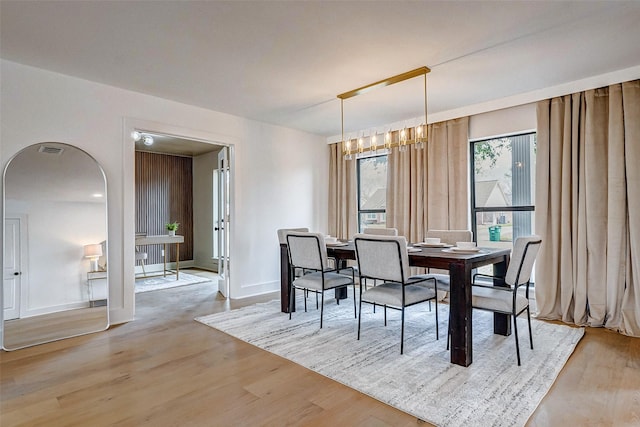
(501, 322)
(340, 293)
(460, 313)
(285, 280)
(177, 261)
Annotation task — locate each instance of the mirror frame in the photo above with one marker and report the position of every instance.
(84, 279)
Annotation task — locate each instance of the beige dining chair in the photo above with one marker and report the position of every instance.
(381, 231)
(507, 300)
(282, 239)
(377, 232)
(386, 258)
(308, 252)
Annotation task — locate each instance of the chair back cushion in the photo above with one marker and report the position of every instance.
(381, 231)
(451, 236)
(525, 250)
(282, 233)
(307, 250)
(382, 257)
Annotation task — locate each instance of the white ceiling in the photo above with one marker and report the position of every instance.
(285, 62)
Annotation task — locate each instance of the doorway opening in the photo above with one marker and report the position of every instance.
(184, 181)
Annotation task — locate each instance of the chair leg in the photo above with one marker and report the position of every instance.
(385, 315)
(292, 297)
(437, 331)
(529, 321)
(306, 293)
(355, 313)
(515, 332)
(401, 332)
(359, 315)
(321, 309)
(316, 300)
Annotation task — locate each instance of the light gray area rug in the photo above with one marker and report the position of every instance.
(493, 391)
(159, 282)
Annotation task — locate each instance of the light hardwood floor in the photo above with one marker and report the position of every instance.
(165, 369)
(54, 326)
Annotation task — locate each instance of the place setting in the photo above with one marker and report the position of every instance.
(432, 242)
(463, 248)
(334, 242)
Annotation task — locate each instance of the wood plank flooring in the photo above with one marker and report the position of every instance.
(19, 333)
(165, 369)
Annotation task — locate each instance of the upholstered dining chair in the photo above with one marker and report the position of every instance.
(377, 232)
(282, 239)
(508, 299)
(381, 231)
(386, 258)
(308, 252)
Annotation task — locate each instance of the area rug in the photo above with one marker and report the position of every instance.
(493, 391)
(159, 282)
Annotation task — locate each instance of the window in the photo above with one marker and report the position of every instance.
(503, 188)
(372, 192)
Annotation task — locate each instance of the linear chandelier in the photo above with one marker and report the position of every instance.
(402, 138)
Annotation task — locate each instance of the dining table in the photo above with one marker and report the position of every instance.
(460, 265)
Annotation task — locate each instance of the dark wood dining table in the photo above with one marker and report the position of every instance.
(460, 266)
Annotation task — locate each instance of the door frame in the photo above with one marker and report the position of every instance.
(223, 220)
(124, 304)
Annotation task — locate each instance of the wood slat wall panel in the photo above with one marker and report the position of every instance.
(164, 193)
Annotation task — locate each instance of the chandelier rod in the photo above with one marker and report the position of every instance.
(386, 82)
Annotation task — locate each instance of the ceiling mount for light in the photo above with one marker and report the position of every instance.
(404, 137)
(146, 139)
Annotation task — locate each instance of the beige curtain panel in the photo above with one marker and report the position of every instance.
(343, 208)
(427, 188)
(588, 208)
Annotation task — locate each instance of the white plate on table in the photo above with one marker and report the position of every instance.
(433, 245)
(457, 250)
(337, 243)
(414, 250)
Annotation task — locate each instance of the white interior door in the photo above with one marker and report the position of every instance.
(222, 223)
(12, 272)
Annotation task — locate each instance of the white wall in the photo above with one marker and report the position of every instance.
(280, 174)
(503, 122)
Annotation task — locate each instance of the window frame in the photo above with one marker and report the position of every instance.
(359, 159)
(476, 210)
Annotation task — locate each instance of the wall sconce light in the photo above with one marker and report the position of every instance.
(93, 252)
(146, 139)
(404, 139)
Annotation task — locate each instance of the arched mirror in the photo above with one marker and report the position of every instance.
(55, 282)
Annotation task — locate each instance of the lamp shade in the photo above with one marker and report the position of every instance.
(93, 251)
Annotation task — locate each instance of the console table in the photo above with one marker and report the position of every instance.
(163, 240)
